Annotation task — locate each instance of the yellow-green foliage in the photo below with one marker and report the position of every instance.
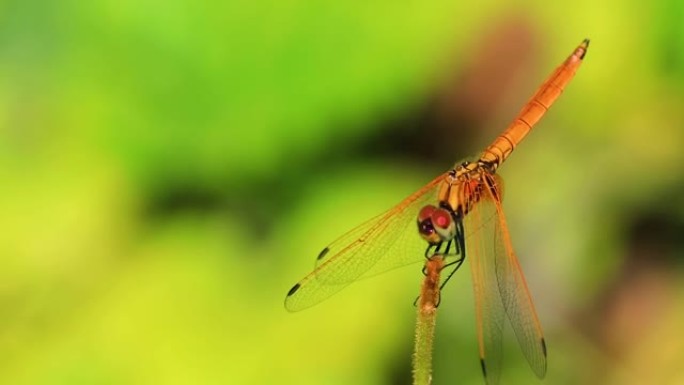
(169, 169)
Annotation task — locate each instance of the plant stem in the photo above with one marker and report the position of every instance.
(425, 324)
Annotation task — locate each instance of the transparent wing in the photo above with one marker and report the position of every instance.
(480, 226)
(387, 241)
(515, 295)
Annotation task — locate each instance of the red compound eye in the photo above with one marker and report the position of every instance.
(441, 218)
(435, 224)
(426, 212)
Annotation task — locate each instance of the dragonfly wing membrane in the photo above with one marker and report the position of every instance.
(489, 310)
(515, 295)
(385, 242)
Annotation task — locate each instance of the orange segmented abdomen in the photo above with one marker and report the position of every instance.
(502, 147)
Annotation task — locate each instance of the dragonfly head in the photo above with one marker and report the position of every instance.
(435, 224)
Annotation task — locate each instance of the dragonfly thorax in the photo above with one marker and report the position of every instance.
(462, 188)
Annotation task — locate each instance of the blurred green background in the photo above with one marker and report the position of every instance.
(170, 169)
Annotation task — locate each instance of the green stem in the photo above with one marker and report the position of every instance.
(425, 324)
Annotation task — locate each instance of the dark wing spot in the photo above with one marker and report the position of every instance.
(294, 289)
(543, 342)
(322, 254)
(484, 370)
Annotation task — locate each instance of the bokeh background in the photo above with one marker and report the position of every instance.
(169, 169)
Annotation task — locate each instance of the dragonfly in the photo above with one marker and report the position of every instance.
(457, 214)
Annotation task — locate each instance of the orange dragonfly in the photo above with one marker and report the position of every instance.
(462, 204)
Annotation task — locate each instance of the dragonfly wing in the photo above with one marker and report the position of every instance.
(515, 295)
(479, 226)
(387, 241)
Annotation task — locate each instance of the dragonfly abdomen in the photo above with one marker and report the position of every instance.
(505, 143)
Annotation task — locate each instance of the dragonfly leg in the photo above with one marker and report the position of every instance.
(457, 265)
(436, 246)
(460, 246)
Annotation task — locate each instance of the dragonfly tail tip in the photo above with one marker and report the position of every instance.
(582, 49)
